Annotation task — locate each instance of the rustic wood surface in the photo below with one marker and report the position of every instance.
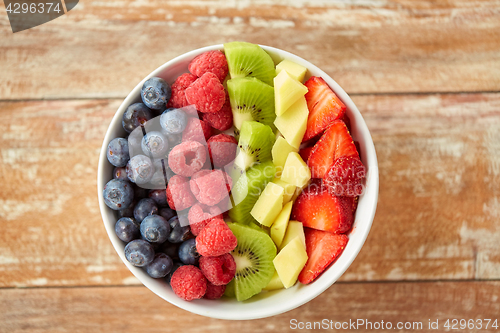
(425, 75)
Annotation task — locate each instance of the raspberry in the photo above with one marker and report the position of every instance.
(188, 283)
(210, 186)
(187, 158)
(213, 291)
(206, 93)
(345, 177)
(218, 270)
(179, 196)
(212, 61)
(197, 130)
(221, 120)
(178, 98)
(199, 217)
(222, 149)
(215, 239)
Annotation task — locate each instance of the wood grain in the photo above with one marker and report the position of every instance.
(437, 216)
(103, 48)
(136, 309)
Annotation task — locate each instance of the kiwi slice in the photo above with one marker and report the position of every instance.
(254, 144)
(254, 257)
(251, 99)
(247, 59)
(247, 189)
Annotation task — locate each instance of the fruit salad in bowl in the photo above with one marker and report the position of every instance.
(238, 181)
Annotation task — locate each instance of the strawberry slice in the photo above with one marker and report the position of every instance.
(335, 142)
(305, 152)
(316, 208)
(322, 249)
(324, 107)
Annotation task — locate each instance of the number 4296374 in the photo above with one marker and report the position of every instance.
(23, 8)
(456, 324)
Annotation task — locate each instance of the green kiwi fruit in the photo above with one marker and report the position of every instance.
(247, 59)
(254, 144)
(254, 257)
(251, 99)
(247, 189)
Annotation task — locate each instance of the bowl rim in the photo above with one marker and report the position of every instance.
(329, 277)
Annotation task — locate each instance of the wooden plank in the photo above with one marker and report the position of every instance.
(103, 49)
(437, 215)
(136, 309)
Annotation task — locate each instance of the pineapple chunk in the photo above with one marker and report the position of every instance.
(287, 91)
(279, 226)
(295, 70)
(294, 229)
(290, 261)
(296, 171)
(275, 283)
(289, 189)
(292, 125)
(269, 204)
(280, 152)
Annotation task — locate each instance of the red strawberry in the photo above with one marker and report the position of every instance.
(324, 107)
(322, 249)
(316, 208)
(305, 153)
(345, 177)
(335, 143)
(347, 121)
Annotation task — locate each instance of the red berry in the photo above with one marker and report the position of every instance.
(210, 186)
(218, 270)
(212, 61)
(196, 130)
(345, 177)
(213, 291)
(223, 119)
(189, 283)
(178, 97)
(222, 149)
(179, 196)
(206, 93)
(305, 153)
(200, 215)
(187, 158)
(215, 239)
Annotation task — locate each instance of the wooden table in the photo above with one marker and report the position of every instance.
(425, 75)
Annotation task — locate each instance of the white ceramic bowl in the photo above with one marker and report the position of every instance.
(266, 304)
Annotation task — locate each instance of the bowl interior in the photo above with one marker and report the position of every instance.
(265, 304)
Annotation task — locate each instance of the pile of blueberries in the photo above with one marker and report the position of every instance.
(155, 238)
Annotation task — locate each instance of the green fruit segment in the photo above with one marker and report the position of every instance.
(254, 257)
(247, 189)
(251, 99)
(230, 289)
(246, 59)
(255, 144)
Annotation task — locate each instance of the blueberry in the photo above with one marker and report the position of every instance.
(159, 196)
(140, 192)
(167, 213)
(172, 271)
(117, 152)
(127, 229)
(129, 211)
(154, 144)
(120, 173)
(173, 121)
(187, 252)
(136, 115)
(139, 253)
(140, 169)
(155, 93)
(118, 194)
(155, 229)
(144, 207)
(178, 233)
(170, 249)
(158, 180)
(160, 267)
